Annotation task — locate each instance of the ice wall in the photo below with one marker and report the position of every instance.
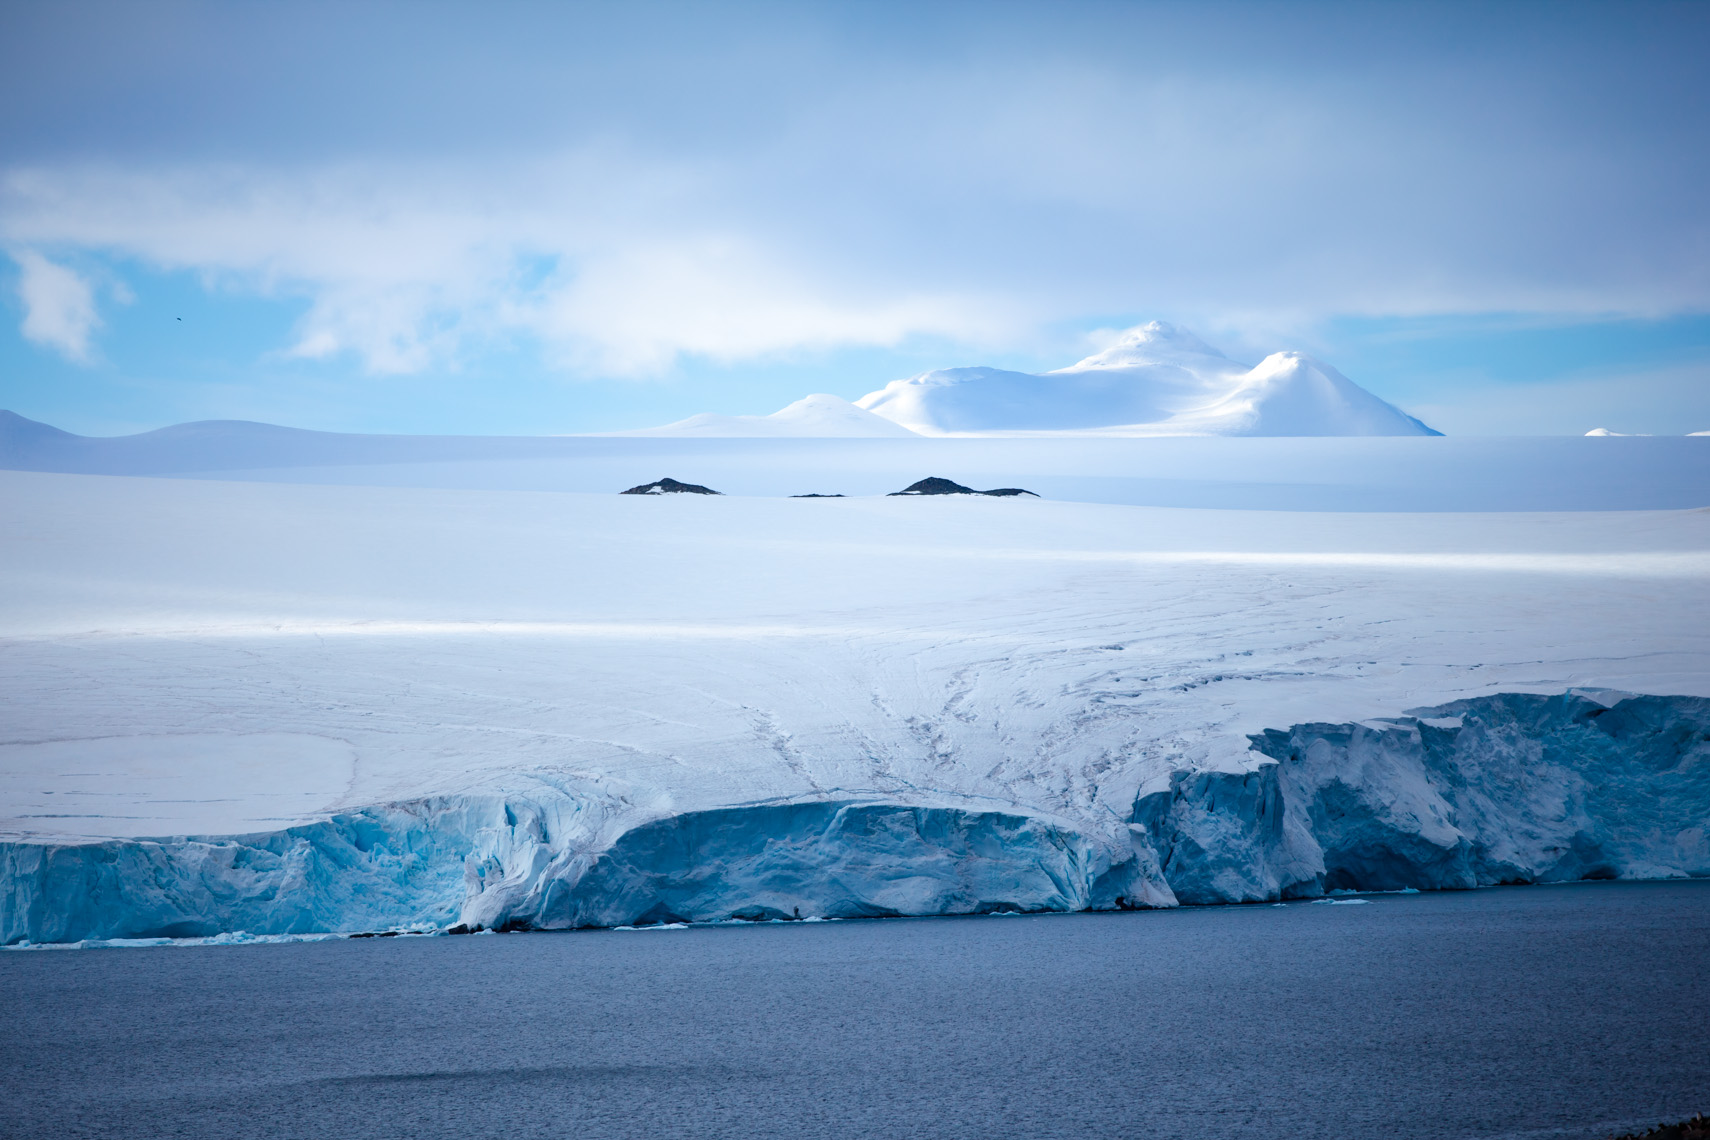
(830, 859)
(1503, 789)
(382, 868)
(512, 863)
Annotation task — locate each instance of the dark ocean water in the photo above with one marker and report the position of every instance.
(1519, 1012)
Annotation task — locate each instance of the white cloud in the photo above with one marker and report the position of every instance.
(406, 267)
(663, 203)
(59, 306)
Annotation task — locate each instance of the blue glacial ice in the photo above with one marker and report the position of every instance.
(1502, 789)
(502, 863)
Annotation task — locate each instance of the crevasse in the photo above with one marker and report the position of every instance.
(1508, 788)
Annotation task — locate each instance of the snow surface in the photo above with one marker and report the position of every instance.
(818, 415)
(1156, 380)
(1394, 473)
(350, 707)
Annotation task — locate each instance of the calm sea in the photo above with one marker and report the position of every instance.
(1517, 1012)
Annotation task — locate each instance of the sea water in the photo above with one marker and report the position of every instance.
(1515, 1012)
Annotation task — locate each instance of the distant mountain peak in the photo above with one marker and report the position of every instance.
(1157, 379)
(1145, 344)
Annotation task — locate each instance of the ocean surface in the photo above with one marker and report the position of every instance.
(1518, 1012)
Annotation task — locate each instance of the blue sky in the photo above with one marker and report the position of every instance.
(524, 218)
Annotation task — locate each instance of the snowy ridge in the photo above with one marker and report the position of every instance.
(1156, 380)
(1502, 789)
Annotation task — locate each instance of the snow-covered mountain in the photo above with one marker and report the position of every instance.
(817, 415)
(1156, 380)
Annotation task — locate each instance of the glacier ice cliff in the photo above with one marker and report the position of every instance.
(1503, 789)
(487, 862)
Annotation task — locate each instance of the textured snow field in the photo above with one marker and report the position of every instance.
(182, 657)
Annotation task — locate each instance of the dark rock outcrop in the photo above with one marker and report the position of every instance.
(817, 496)
(670, 487)
(937, 486)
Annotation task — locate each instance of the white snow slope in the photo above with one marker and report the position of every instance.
(1157, 380)
(819, 415)
(286, 708)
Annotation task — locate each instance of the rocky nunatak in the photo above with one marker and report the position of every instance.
(670, 487)
(937, 486)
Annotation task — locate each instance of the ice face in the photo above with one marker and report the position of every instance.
(1522, 789)
(488, 863)
(1513, 788)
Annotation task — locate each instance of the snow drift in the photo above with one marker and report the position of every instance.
(1511, 788)
(1156, 380)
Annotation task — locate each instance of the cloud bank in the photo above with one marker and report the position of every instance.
(624, 187)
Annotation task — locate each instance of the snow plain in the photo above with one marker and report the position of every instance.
(554, 709)
(1398, 473)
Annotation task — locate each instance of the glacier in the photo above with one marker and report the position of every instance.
(1508, 789)
(289, 709)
